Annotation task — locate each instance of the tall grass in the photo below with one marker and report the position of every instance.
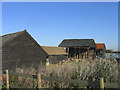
(85, 70)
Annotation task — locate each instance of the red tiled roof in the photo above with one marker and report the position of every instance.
(100, 45)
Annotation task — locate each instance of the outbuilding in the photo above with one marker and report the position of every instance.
(55, 54)
(20, 49)
(79, 49)
(100, 50)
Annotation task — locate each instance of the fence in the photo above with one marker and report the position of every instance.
(100, 84)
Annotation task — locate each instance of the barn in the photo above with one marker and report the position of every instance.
(55, 54)
(100, 50)
(21, 49)
(79, 49)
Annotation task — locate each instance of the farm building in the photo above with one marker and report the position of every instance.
(21, 49)
(55, 54)
(80, 49)
(100, 50)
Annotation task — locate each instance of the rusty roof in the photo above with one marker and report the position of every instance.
(100, 45)
(54, 50)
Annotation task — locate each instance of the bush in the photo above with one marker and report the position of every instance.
(85, 70)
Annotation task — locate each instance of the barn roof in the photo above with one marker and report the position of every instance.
(100, 45)
(8, 37)
(54, 50)
(77, 43)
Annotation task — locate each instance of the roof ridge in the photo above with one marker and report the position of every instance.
(99, 43)
(14, 33)
(51, 46)
(78, 39)
(9, 37)
(77, 43)
(54, 50)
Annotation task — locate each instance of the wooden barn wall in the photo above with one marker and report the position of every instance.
(53, 59)
(101, 53)
(22, 51)
(82, 53)
(92, 54)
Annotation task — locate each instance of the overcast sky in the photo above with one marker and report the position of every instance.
(50, 23)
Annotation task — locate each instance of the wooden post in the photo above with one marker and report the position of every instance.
(86, 55)
(68, 51)
(94, 53)
(79, 55)
(7, 79)
(74, 53)
(102, 83)
(39, 80)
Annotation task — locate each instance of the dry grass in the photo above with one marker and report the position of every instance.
(84, 70)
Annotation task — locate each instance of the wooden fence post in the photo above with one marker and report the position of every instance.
(7, 79)
(102, 83)
(39, 80)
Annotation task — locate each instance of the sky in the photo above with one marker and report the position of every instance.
(51, 22)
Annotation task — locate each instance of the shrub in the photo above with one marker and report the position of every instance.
(85, 70)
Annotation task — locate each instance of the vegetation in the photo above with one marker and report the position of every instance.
(85, 70)
(109, 51)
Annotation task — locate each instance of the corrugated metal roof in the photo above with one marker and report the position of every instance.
(54, 50)
(77, 43)
(100, 45)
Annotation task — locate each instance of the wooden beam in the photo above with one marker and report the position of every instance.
(7, 79)
(88, 52)
(75, 53)
(39, 80)
(77, 57)
(80, 54)
(68, 51)
(86, 55)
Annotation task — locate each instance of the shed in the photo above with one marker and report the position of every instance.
(79, 48)
(55, 54)
(19, 49)
(100, 50)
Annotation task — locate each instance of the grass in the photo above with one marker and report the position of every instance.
(85, 70)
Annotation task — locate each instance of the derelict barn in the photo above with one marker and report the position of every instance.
(21, 49)
(55, 54)
(100, 50)
(80, 49)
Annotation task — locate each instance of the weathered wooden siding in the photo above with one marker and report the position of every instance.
(22, 50)
(53, 59)
(92, 54)
(101, 53)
